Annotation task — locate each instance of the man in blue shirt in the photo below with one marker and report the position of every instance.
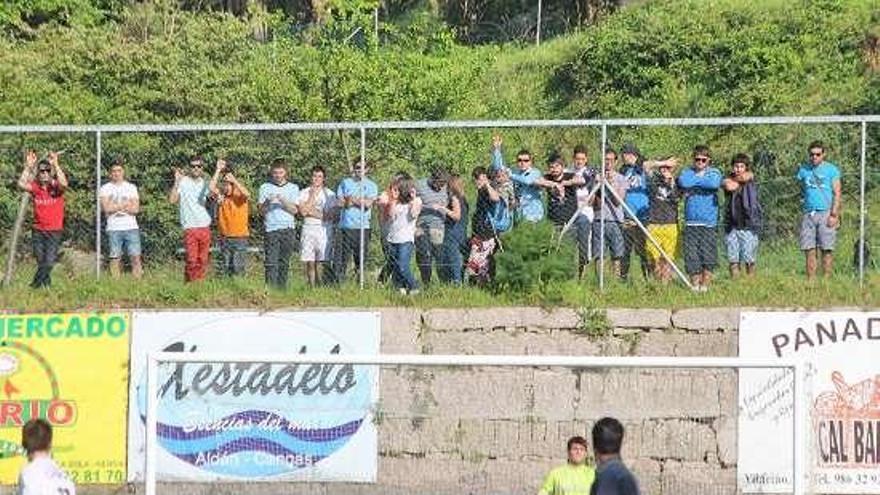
(700, 183)
(527, 181)
(636, 171)
(612, 476)
(820, 184)
(355, 195)
(278, 199)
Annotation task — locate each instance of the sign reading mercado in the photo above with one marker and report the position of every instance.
(257, 421)
(69, 369)
(840, 351)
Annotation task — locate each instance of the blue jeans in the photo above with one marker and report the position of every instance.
(233, 257)
(401, 258)
(452, 260)
(583, 230)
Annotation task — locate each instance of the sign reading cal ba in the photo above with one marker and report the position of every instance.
(69, 369)
(839, 351)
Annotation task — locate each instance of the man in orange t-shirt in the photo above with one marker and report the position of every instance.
(232, 219)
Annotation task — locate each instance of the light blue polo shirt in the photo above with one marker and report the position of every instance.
(352, 217)
(193, 194)
(277, 218)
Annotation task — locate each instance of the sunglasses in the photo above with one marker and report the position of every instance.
(816, 154)
(44, 171)
(701, 159)
(523, 160)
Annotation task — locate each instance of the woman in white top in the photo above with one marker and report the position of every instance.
(400, 209)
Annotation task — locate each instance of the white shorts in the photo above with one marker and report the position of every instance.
(315, 243)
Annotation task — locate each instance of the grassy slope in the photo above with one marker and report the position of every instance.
(512, 82)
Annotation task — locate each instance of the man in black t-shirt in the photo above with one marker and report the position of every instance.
(612, 476)
(561, 191)
(663, 220)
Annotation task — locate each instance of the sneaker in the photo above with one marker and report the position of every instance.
(402, 291)
(414, 292)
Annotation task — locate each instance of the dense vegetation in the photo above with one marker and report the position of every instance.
(112, 61)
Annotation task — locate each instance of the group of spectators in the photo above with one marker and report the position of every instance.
(634, 208)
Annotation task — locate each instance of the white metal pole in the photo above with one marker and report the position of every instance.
(538, 29)
(361, 247)
(98, 168)
(603, 200)
(862, 212)
(671, 362)
(376, 24)
(442, 124)
(150, 444)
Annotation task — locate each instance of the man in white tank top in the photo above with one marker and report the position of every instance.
(41, 476)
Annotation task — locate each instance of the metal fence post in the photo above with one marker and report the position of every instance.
(98, 167)
(601, 208)
(538, 29)
(361, 247)
(862, 212)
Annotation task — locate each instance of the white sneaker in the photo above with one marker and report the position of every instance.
(414, 292)
(402, 291)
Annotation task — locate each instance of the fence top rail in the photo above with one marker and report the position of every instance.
(477, 360)
(442, 124)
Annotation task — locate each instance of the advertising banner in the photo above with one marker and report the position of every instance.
(841, 352)
(253, 421)
(72, 371)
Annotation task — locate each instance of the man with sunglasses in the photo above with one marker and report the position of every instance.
(190, 192)
(820, 185)
(700, 184)
(527, 181)
(46, 182)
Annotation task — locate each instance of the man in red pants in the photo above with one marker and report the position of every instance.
(190, 191)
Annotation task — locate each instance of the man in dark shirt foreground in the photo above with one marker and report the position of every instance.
(612, 477)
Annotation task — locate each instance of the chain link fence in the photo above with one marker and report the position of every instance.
(348, 233)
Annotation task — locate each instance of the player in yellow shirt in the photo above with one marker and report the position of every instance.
(574, 477)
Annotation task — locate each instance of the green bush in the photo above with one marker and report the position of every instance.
(533, 260)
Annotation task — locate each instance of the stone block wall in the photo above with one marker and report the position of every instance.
(499, 430)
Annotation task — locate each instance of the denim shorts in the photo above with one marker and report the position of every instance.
(124, 242)
(742, 246)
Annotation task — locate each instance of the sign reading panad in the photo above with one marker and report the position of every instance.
(841, 352)
(69, 369)
(257, 421)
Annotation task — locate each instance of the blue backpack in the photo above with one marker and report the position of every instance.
(500, 217)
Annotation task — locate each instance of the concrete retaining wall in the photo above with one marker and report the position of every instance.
(499, 430)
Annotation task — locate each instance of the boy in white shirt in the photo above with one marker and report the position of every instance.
(41, 476)
(120, 203)
(316, 205)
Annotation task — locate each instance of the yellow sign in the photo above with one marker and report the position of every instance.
(71, 370)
